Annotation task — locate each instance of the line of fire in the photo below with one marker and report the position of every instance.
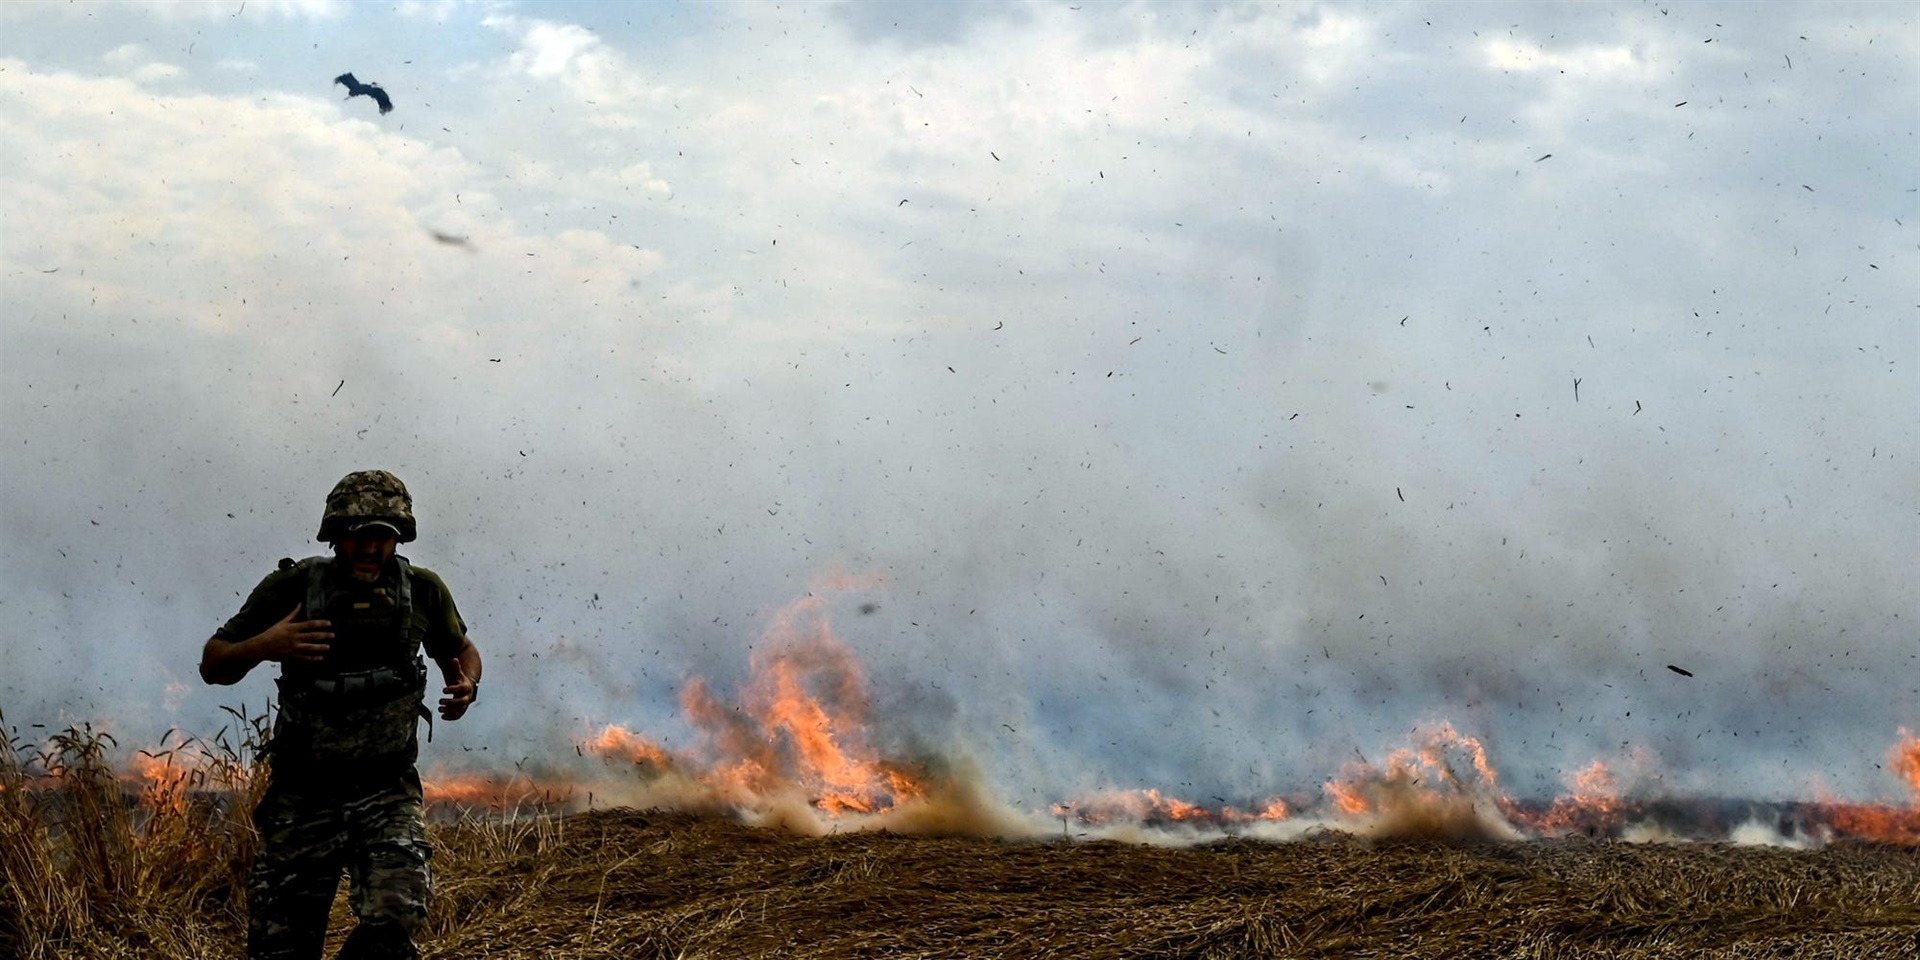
(794, 752)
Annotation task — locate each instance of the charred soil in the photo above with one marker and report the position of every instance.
(657, 884)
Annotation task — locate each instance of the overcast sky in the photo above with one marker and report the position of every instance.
(1199, 396)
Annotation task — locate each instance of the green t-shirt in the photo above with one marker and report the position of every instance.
(435, 622)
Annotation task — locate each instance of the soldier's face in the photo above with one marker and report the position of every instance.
(365, 556)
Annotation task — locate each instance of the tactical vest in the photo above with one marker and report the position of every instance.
(354, 714)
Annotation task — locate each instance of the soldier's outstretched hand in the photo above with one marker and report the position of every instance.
(460, 695)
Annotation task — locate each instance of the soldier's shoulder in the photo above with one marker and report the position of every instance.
(288, 569)
(423, 577)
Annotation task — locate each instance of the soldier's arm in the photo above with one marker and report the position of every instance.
(447, 645)
(225, 661)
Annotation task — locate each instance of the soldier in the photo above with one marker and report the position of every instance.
(343, 793)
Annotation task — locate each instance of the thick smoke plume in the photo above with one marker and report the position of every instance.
(1208, 418)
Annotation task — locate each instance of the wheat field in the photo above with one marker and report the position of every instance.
(100, 866)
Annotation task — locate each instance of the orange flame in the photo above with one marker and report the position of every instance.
(1151, 806)
(1132, 805)
(1875, 822)
(1904, 758)
(618, 743)
(801, 726)
(487, 791)
(798, 741)
(1275, 809)
(1884, 823)
(1594, 806)
(1424, 791)
(163, 784)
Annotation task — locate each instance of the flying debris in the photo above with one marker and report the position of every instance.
(1684, 673)
(355, 89)
(451, 240)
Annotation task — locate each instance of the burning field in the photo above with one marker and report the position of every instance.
(787, 830)
(625, 883)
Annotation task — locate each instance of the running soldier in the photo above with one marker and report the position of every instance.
(343, 792)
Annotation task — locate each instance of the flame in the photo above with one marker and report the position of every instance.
(494, 792)
(1275, 809)
(618, 743)
(1594, 807)
(163, 785)
(1883, 822)
(1143, 806)
(795, 751)
(1904, 758)
(1874, 822)
(1422, 791)
(799, 747)
(1151, 806)
(172, 780)
(800, 727)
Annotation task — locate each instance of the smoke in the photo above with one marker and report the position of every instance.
(1189, 432)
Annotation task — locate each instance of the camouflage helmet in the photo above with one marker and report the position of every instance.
(364, 496)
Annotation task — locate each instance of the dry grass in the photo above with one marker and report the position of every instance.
(91, 873)
(667, 885)
(100, 864)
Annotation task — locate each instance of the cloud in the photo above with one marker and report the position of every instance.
(125, 54)
(155, 72)
(915, 26)
(577, 58)
(264, 9)
(429, 11)
(250, 10)
(548, 49)
(1507, 53)
(139, 65)
(639, 175)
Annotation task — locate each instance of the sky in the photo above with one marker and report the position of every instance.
(1190, 396)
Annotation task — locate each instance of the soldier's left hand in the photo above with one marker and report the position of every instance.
(459, 696)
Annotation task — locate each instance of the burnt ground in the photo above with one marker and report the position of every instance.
(633, 884)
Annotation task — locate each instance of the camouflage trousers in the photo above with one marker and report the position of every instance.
(309, 836)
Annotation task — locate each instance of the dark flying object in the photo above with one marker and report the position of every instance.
(1680, 671)
(355, 89)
